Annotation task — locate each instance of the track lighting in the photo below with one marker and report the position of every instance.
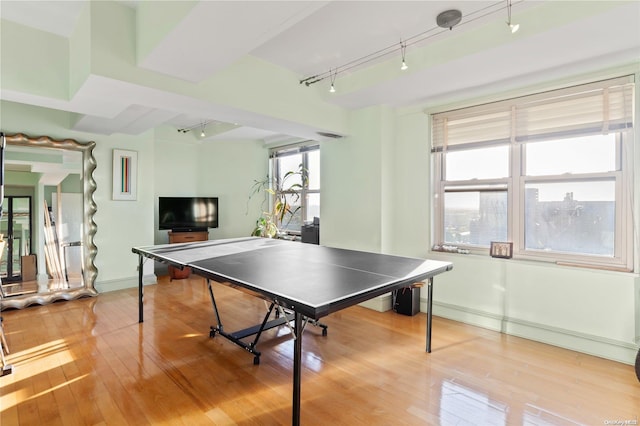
(202, 126)
(332, 89)
(403, 48)
(514, 27)
(445, 21)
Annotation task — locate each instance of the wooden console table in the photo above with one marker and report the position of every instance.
(184, 237)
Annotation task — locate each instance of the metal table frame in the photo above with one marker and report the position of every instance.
(282, 317)
(298, 318)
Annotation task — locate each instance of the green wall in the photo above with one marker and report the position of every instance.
(168, 164)
(376, 196)
(223, 169)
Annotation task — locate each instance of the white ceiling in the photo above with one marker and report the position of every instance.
(53, 165)
(312, 37)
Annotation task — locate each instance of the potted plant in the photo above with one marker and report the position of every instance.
(280, 195)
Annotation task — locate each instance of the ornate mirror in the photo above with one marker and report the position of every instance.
(47, 224)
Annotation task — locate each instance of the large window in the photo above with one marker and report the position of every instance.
(550, 172)
(301, 190)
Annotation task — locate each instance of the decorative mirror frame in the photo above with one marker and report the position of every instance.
(90, 250)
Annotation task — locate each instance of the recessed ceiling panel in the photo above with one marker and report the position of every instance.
(217, 33)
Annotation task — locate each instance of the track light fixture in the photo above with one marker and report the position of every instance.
(332, 89)
(445, 21)
(202, 125)
(514, 27)
(403, 48)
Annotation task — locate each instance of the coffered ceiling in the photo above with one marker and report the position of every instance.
(197, 42)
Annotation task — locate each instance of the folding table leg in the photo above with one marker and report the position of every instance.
(215, 307)
(297, 370)
(429, 312)
(140, 291)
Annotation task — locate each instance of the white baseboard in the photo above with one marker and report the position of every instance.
(120, 284)
(380, 303)
(599, 346)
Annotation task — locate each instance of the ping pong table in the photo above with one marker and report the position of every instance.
(303, 282)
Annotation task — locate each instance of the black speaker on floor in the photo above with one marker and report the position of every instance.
(406, 301)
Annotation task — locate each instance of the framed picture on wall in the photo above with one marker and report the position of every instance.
(501, 249)
(125, 175)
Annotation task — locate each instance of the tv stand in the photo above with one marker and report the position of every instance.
(184, 237)
(189, 230)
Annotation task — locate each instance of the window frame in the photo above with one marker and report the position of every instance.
(518, 180)
(274, 156)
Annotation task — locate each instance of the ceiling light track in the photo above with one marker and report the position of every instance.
(514, 27)
(449, 19)
(201, 125)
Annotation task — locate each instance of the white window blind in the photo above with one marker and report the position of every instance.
(597, 107)
(474, 125)
(291, 149)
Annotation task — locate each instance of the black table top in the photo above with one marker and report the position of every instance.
(311, 279)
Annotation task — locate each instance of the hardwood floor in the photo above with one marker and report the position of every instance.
(20, 288)
(89, 362)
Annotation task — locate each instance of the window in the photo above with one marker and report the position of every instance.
(303, 195)
(550, 172)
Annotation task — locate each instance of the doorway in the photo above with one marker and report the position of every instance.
(15, 226)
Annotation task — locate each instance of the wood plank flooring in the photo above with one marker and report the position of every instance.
(89, 362)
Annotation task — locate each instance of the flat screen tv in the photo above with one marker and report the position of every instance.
(187, 213)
